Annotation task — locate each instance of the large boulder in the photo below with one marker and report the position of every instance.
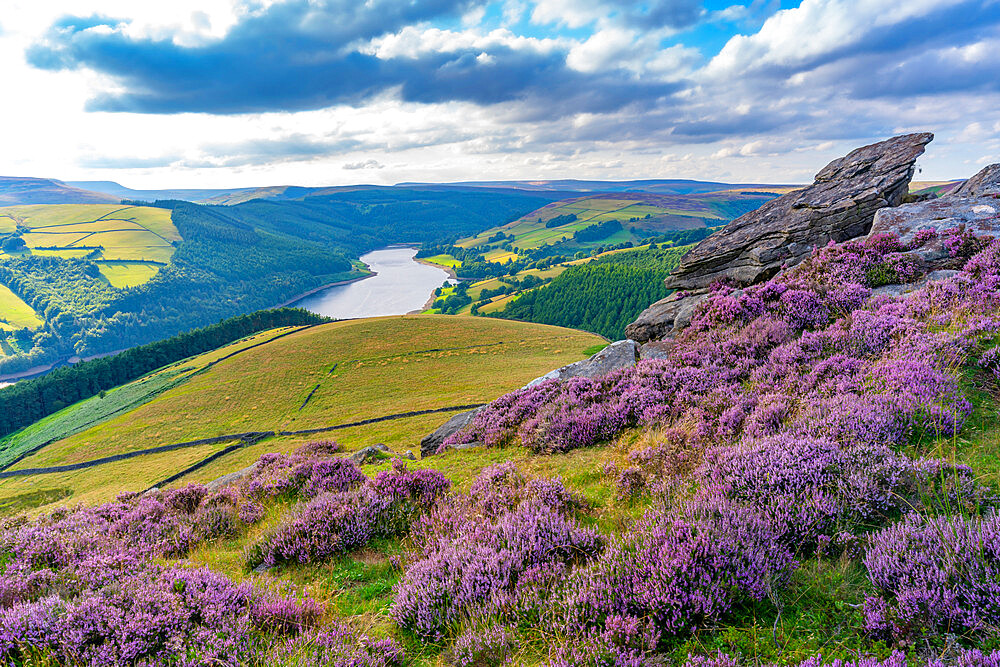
(979, 215)
(838, 206)
(430, 444)
(984, 184)
(621, 354)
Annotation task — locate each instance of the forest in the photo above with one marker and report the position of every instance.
(238, 259)
(27, 401)
(602, 296)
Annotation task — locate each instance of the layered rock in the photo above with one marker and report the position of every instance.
(840, 205)
(984, 184)
(431, 442)
(621, 354)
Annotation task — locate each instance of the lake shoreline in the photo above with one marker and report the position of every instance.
(289, 302)
(447, 269)
(404, 285)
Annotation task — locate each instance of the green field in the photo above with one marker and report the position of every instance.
(128, 243)
(383, 366)
(15, 313)
(642, 215)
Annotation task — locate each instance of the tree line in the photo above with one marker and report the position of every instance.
(602, 296)
(26, 402)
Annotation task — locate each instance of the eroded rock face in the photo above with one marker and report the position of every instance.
(430, 444)
(984, 184)
(621, 354)
(840, 205)
(979, 215)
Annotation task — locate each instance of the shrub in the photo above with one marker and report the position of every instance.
(934, 573)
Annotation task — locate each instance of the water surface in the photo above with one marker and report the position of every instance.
(401, 286)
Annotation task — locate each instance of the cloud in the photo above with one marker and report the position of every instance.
(646, 14)
(299, 55)
(365, 164)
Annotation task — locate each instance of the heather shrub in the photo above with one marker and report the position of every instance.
(305, 473)
(681, 570)
(338, 645)
(810, 352)
(500, 552)
(287, 616)
(336, 522)
(492, 646)
(935, 573)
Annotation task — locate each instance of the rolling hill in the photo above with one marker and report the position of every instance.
(17, 190)
(281, 380)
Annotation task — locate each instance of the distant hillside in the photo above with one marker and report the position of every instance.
(84, 280)
(16, 190)
(288, 379)
(654, 186)
(590, 224)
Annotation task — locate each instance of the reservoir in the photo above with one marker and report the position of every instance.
(400, 286)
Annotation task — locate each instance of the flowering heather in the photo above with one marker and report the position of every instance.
(956, 658)
(338, 521)
(84, 586)
(498, 552)
(490, 647)
(940, 573)
(340, 646)
(810, 352)
(305, 473)
(681, 569)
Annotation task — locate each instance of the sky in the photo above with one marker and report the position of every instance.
(229, 93)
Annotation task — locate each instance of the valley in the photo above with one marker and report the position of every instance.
(317, 377)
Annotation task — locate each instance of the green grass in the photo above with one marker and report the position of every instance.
(383, 366)
(127, 274)
(83, 415)
(142, 236)
(15, 313)
(443, 260)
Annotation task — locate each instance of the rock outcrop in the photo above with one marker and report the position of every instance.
(840, 205)
(620, 354)
(978, 215)
(984, 184)
(429, 445)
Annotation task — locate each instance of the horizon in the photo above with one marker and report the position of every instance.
(230, 93)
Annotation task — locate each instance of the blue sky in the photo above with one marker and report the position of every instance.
(254, 92)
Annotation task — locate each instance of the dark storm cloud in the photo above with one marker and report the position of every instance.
(297, 55)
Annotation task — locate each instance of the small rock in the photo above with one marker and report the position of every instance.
(409, 456)
(370, 454)
(232, 477)
(429, 445)
(658, 349)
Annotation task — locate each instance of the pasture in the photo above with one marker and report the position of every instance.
(16, 314)
(331, 374)
(129, 244)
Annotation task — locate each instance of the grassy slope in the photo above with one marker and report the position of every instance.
(665, 213)
(383, 366)
(15, 313)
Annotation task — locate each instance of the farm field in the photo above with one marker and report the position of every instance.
(353, 370)
(15, 313)
(652, 214)
(129, 244)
